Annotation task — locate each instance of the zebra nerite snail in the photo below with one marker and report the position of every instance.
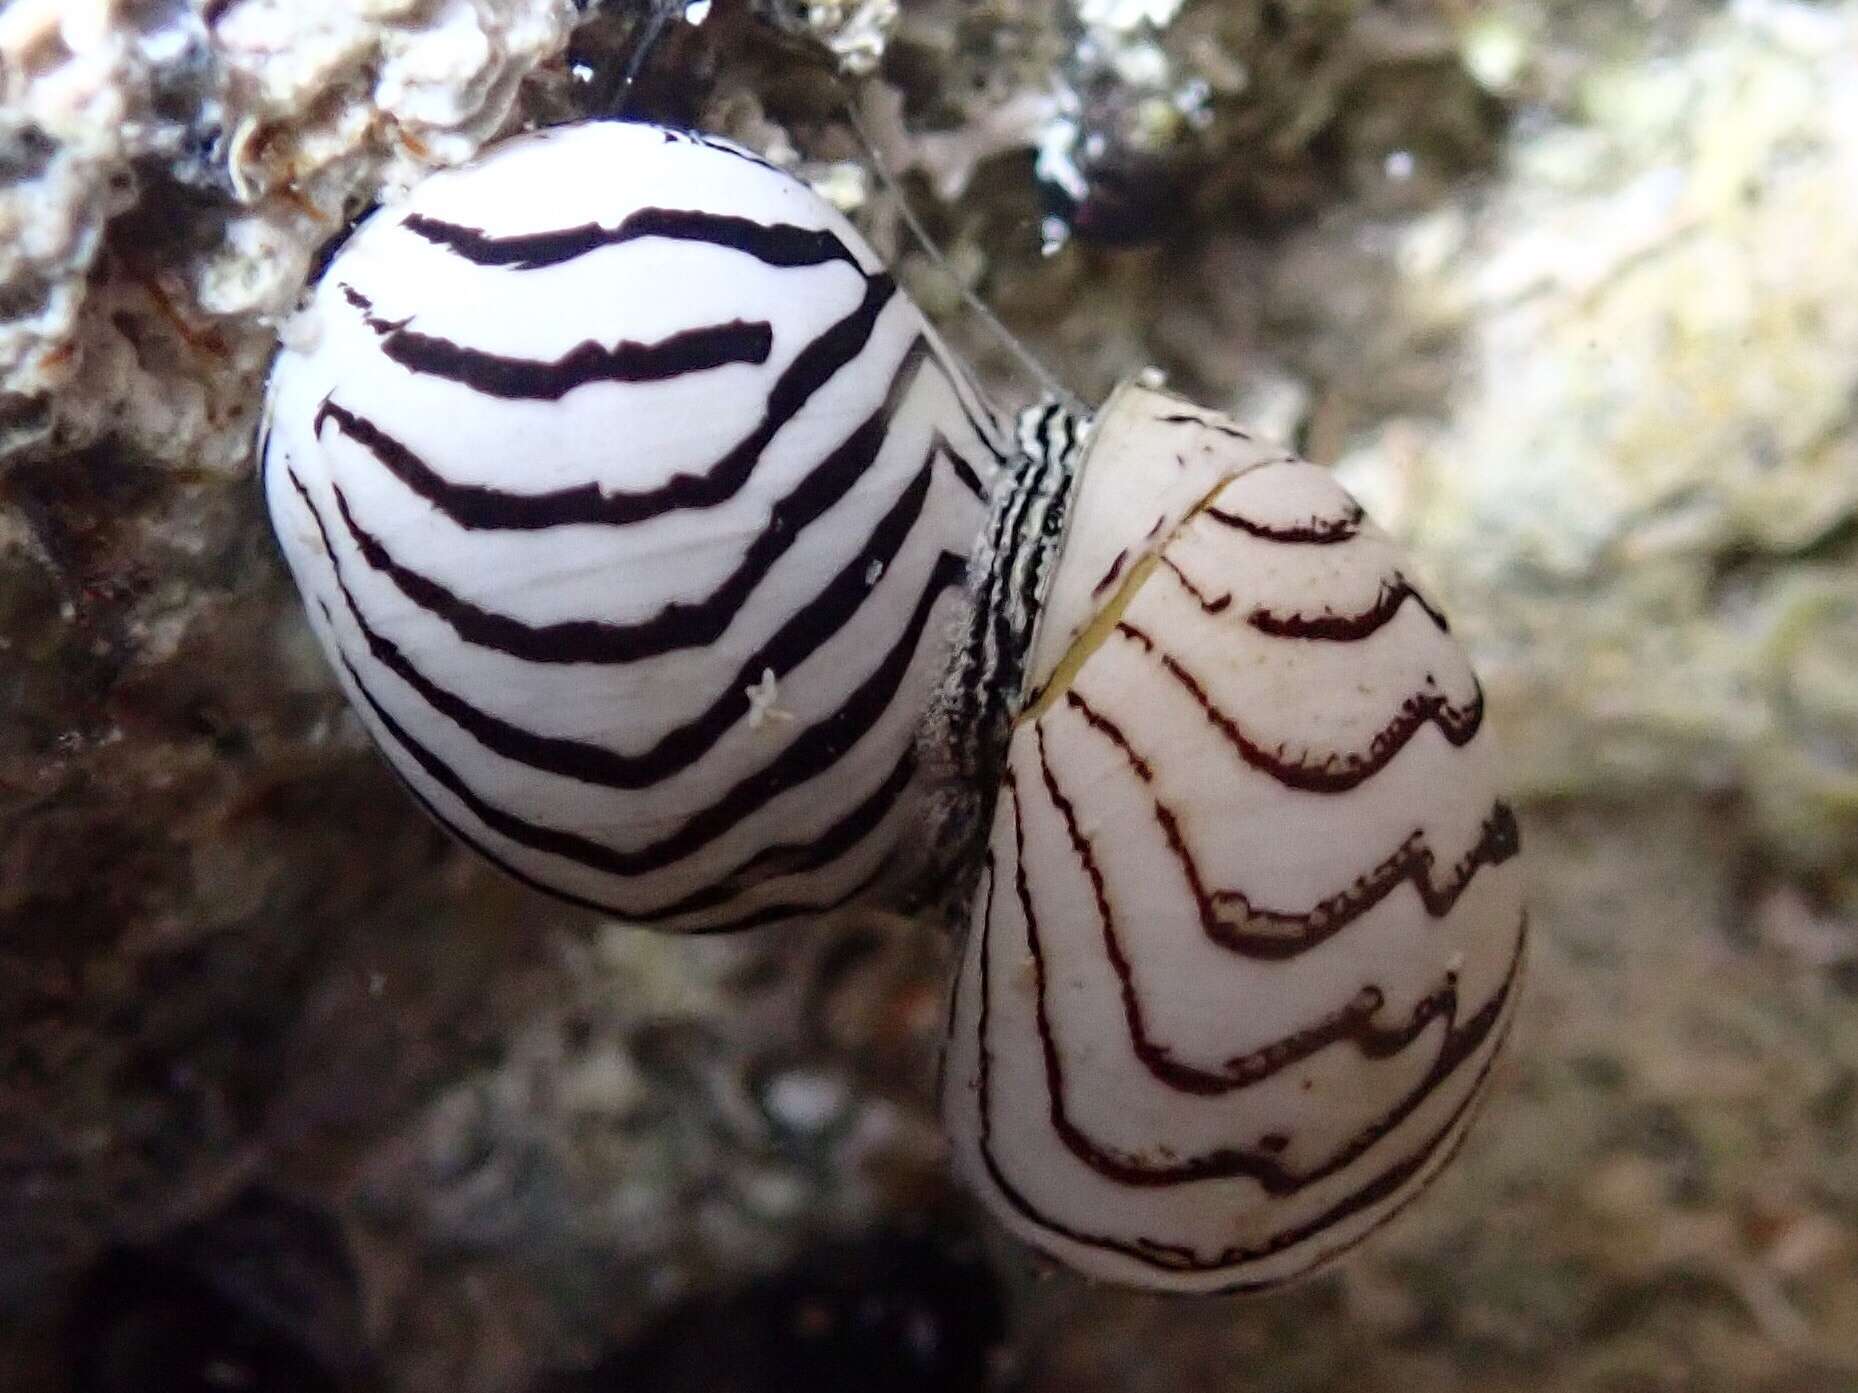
(1247, 938)
(632, 502)
(633, 506)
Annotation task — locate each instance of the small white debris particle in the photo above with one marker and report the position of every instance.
(1053, 234)
(761, 698)
(845, 185)
(873, 573)
(302, 331)
(696, 12)
(806, 1100)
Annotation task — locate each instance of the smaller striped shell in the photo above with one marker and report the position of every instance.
(1249, 930)
(631, 501)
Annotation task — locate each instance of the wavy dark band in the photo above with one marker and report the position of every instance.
(772, 244)
(1337, 771)
(812, 368)
(550, 379)
(809, 629)
(815, 750)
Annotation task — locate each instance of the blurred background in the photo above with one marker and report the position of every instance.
(295, 1095)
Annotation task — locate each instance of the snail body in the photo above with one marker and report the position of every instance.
(631, 501)
(1248, 926)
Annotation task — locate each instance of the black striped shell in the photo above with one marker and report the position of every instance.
(1249, 929)
(631, 502)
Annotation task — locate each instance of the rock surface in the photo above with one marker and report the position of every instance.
(1567, 293)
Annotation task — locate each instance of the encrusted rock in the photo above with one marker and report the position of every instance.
(233, 140)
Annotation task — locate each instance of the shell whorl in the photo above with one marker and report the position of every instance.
(1248, 928)
(631, 501)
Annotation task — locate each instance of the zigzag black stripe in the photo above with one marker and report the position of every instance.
(795, 858)
(818, 853)
(680, 624)
(795, 641)
(690, 135)
(550, 379)
(772, 244)
(473, 505)
(812, 753)
(754, 919)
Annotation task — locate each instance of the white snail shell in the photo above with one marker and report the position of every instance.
(1249, 929)
(631, 503)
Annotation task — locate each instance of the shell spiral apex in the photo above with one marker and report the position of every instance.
(631, 502)
(1249, 928)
